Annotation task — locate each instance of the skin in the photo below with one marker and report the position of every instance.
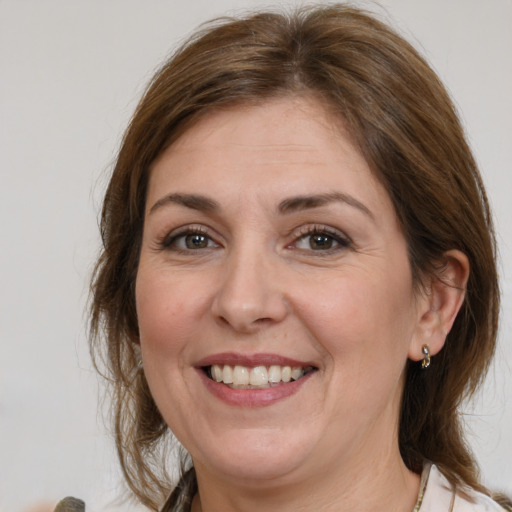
(261, 283)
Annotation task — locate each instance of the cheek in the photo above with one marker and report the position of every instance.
(166, 319)
(361, 321)
(165, 313)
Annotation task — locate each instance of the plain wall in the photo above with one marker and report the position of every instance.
(70, 75)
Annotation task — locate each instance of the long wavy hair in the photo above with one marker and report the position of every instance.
(402, 119)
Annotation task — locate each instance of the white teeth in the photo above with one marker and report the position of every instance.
(217, 373)
(297, 373)
(274, 374)
(240, 376)
(227, 374)
(257, 376)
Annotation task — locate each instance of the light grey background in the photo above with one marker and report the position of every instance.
(70, 75)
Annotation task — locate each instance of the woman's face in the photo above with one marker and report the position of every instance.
(271, 253)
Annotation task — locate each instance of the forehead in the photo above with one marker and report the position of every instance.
(286, 145)
(279, 123)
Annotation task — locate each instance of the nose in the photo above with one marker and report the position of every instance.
(249, 294)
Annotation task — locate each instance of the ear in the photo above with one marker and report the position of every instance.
(439, 304)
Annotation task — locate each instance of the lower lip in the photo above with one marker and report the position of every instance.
(253, 397)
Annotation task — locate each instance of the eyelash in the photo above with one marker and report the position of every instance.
(170, 242)
(342, 241)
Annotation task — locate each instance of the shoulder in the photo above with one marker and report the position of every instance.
(473, 501)
(440, 496)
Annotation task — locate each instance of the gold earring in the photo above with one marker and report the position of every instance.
(425, 363)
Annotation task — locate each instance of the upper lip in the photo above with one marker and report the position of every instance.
(251, 360)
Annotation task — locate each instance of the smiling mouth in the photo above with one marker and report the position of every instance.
(255, 377)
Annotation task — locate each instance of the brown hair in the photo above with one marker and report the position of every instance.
(405, 125)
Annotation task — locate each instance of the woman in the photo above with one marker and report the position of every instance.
(298, 277)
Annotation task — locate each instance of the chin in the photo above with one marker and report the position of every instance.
(255, 456)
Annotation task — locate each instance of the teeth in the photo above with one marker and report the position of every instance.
(256, 377)
(240, 376)
(297, 373)
(217, 373)
(274, 374)
(227, 374)
(286, 374)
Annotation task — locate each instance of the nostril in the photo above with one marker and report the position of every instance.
(265, 320)
(244, 324)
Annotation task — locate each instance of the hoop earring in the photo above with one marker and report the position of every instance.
(425, 363)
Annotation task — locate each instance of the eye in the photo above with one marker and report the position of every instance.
(190, 239)
(321, 239)
(195, 241)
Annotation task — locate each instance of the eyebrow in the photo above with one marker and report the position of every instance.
(192, 201)
(306, 202)
(289, 205)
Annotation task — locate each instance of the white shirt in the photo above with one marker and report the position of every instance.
(438, 495)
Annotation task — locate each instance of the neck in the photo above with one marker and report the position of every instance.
(378, 484)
